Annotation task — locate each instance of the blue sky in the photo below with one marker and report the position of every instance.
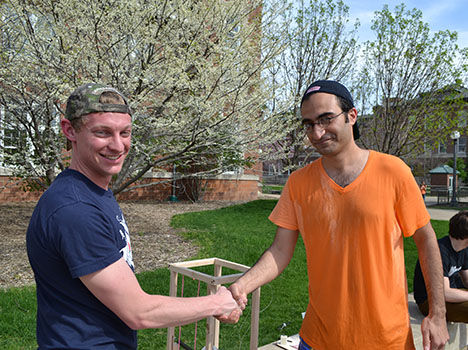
(439, 14)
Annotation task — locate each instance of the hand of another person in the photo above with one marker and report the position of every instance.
(232, 318)
(241, 299)
(434, 333)
(227, 303)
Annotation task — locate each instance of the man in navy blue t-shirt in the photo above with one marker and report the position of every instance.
(79, 244)
(454, 253)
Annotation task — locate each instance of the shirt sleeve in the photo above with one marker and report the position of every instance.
(284, 213)
(410, 208)
(85, 239)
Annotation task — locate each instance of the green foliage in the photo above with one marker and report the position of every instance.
(461, 168)
(405, 87)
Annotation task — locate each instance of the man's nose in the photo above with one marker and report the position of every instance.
(317, 132)
(117, 143)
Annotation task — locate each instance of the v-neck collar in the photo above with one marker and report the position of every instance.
(354, 183)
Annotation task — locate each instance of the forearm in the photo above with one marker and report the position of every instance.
(265, 270)
(431, 266)
(272, 262)
(464, 277)
(161, 311)
(454, 295)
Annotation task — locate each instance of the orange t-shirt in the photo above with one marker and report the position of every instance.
(354, 244)
(423, 189)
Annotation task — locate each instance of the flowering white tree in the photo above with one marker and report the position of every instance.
(191, 70)
(320, 44)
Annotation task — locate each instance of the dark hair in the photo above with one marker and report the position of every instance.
(458, 225)
(344, 104)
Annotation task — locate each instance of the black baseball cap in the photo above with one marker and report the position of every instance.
(334, 88)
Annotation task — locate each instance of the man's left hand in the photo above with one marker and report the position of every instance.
(434, 332)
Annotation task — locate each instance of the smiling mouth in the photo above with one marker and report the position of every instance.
(322, 141)
(112, 157)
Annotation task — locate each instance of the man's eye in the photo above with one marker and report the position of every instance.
(101, 133)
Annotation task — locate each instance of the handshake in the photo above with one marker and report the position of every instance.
(233, 301)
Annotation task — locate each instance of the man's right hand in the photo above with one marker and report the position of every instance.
(239, 295)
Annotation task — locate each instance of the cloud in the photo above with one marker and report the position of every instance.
(365, 17)
(438, 8)
(463, 39)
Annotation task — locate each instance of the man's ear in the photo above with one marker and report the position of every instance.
(69, 132)
(68, 129)
(352, 115)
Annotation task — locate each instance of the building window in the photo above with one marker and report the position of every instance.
(442, 148)
(462, 145)
(12, 135)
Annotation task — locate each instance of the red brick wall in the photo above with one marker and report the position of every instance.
(11, 190)
(439, 179)
(155, 192)
(213, 190)
(231, 190)
(218, 189)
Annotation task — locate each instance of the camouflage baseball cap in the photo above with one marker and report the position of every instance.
(85, 100)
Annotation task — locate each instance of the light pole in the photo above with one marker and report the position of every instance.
(455, 136)
(173, 197)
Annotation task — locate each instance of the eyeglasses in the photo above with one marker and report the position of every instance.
(322, 123)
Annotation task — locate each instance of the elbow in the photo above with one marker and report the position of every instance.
(145, 324)
(143, 320)
(136, 323)
(137, 319)
(145, 313)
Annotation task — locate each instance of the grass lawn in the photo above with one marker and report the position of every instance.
(272, 188)
(239, 233)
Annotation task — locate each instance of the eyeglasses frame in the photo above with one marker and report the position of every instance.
(322, 122)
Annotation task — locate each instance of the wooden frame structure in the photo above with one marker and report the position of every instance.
(213, 284)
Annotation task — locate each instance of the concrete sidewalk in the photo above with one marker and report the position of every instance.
(439, 214)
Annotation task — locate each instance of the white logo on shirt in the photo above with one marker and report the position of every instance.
(127, 250)
(453, 270)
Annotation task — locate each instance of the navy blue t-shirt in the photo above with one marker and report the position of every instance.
(452, 263)
(77, 228)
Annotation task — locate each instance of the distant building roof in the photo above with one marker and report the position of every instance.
(443, 169)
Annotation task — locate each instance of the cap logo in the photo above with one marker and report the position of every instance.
(313, 88)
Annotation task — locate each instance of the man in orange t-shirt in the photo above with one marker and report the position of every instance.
(352, 208)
